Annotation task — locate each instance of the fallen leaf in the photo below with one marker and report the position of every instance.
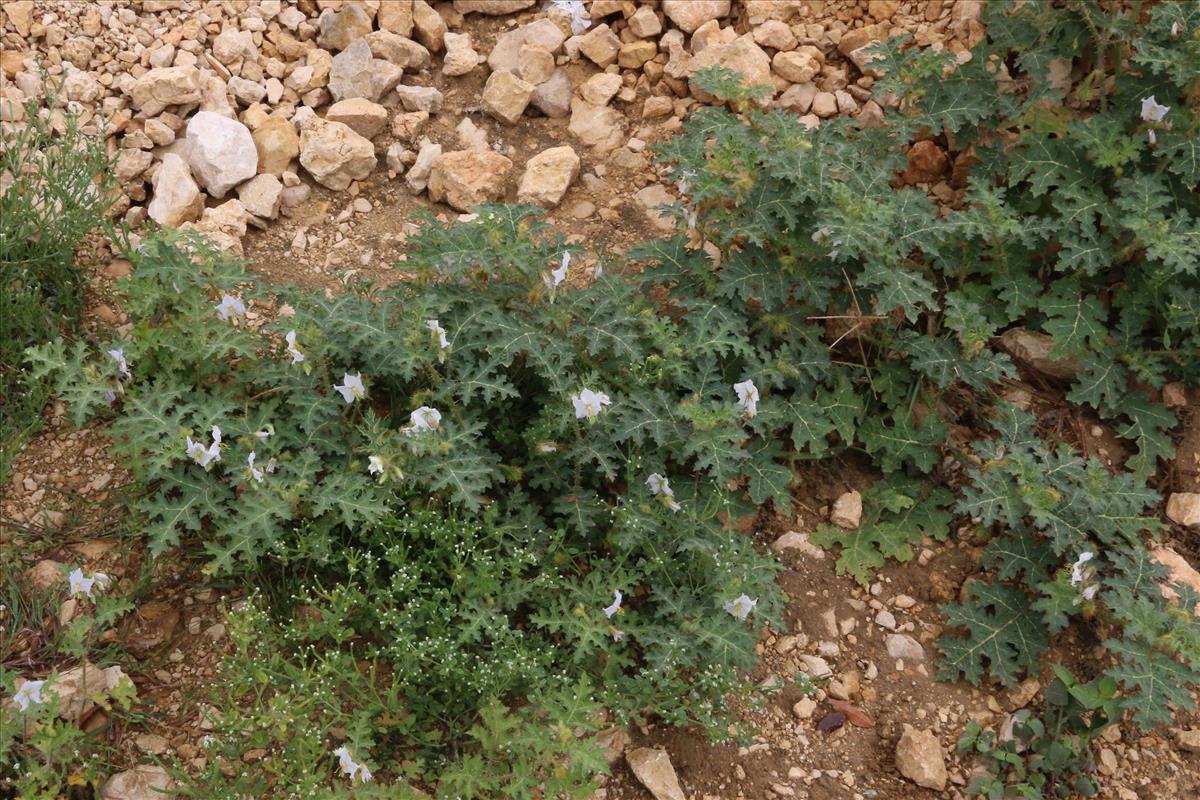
(854, 715)
(832, 721)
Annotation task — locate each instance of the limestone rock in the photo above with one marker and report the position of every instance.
(903, 646)
(797, 540)
(543, 33)
(599, 127)
(77, 689)
(420, 98)
(847, 510)
(224, 225)
(649, 199)
(600, 45)
(165, 86)
(775, 34)
(505, 96)
(534, 64)
(337, 29)
(634, 55)
(920, 758)
(644, 23)
(396, 16)
(132, 163)
(429, 26)
(1180, 572)
(143, 782)
(691, 14)
(335, 155)
(460, 56)
(399, 50)
(471, 136)
(44, 574)
(365, 118)
(797, 66)
(1183, 508)
(654, 769)
(601, 88)
(1189, 740)
(491, 8)
(1034, 349)
(177, 199)
(464, 179)
(418, 174)
(742, 55)
(260, 195)
(553, 98)
(221, 152)
(231, 46)
(277, 144)
(352, 73)
(547, 177)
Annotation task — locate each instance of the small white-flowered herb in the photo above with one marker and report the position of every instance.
(609, 611)
(439, 333)
(747, 395)
(351, 388)
(81, 584)
(229, 306)
(29, 694)
(589, 404)
(740, 607)
(293, 351)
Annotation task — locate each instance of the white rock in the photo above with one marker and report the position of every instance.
(334, 154)
(143, 782)
(796, 540)
(221, 152)
(417, 178)
(505, 96)
(921, 759)
(399, 50)
(847, 510)
(547, 177)
(464, 179)
(420, 98)
(903, 646)
(688, 15)
(261, 194)
(886, 619)
(352, 73)
(598, 127)
(553, 98)
(1183, 508)
(654, 769)
(601, 88)
(166, 86)
(177, 198)
(232, 45)
(460, 57)
(364, 117)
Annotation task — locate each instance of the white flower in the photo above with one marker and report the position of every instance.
(375, 465)
(229, 306)
(740, 607)
(122, 367)
(673, 504)
(351, 767)
(204, 455)
(559, 275)
(658, 485)
(255, 473)
(546, 448)
(747, 394)
(1090, 592)
(293, 351)
(589, 404)
(423, 419)
(30, 693)
(618, 634)
(1152, 111)
(81, 584)
(1176, 28)
(609, 611)
(352, 387)
(1078, 575)
(439, 333)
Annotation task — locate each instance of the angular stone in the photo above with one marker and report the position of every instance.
(600, 45)
(247, 92)
(221, 152)
(553, 98)
(644, 23)
(231, 46)
(338, 29)
(1180, 572)
(396, 16)
(599, 127)
(547, 177)
(364, 117)
(261, 195)
(650, 199)
(635, 54)
(927, 163)
(334, 154)
(429, 26)
(418, 174)
(921, 759)
(601, 88)
(420, 98)
(688, 15)
(77, 689)
(1034, 349)
(742, 55)
(177, 199)
(654, 769)
(1189, 740)
(491, 8)
(903, 646)
(399, 50)
(1183, 508)
(797, 66)
(277, 144)
(460, 57)
(407, 127)
(165, 86)
(143, 782)
(464, 179)
(775, 34)
(132, 163)
(847, 510)
(543, 33)
(505, 96)
(534, 64)
(352, 73)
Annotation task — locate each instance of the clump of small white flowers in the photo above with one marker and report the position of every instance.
(255, 472)
(351, 767)
(375, 465)
(29, 694)
(292, 350)
(422, 420)
(205, 455)
(589, 404)
(747, 395)
(740, 607)
(229, 306)
(559, 275)
(81, 584)
(660, 487)
(610, 611)
(351, 388)
(438, 332)
(118, 355)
